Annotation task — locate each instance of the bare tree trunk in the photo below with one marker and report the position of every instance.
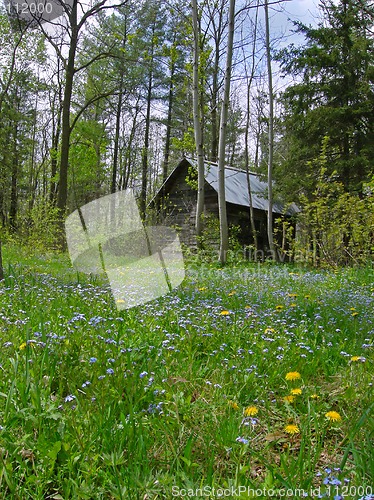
(223, 225)
(271, 136)
(247, 123)
(143, 194)
(66, 105)
(14, 182)
(125, 175)
(113, 187)
(56, 131)
(198, 127)
(165, 168)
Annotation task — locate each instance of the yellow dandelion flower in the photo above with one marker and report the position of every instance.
(232, 293)
(333, 416)
(358, 358)
(293, 376)
(23, 346)
(202, 289)
(314, 396)
(352, 308)
(120, 301)
(292, 295)
(250, 411)
(293, 304)
(307, 296)
(269, 330)
(224, 313)
(289, 399)
(297, 391)
(355, 313)
(234, 405)
(279, 307)
(292, 429)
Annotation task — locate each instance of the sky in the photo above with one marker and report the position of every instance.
(305, 11)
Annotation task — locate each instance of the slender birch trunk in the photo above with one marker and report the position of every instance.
(223, 225)
(197, 127)
(271, 135)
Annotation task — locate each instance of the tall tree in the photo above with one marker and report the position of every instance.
(77, 17)
(334, 96)
(270, 133)
(224, 236)
(197, 122)
(250, 74)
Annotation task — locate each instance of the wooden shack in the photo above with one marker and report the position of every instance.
(175, 202)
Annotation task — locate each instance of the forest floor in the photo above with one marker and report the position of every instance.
(253, 381)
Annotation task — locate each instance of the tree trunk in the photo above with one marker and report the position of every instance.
(224, 233)
(143, 195)
(246, 149)
(125, 175)
(271, 136)
(113, 187)
(197, 127)
(14, 182)
(165, 168)
(214, 111)
(66, 105)
(56, 131)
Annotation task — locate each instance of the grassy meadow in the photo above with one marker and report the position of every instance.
(247, 379)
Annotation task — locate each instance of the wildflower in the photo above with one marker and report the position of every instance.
(250, 411)
(293, 376)
(353, 358)
(355, 313)
(333, 416)
(314, 396)
(69, 398)
(232, 293)
(293, 304)
(110, 371)
(306, 296)
(120, 301)
(279, 307)
(292, 295)
(289, 399)
(143, 374)
(202, 289)
(22, 346)
(224, 313)
(242, 440)
(292, 429)
(234, 405)
(297, 391)
(93, 360)
(269, 330)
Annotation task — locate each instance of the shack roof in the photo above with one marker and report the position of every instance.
(236, 187)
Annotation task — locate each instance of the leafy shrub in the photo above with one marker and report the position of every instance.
(336, 227)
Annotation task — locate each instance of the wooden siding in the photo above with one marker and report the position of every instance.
(176, 207)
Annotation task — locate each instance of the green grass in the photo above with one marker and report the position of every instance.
(149, 403)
